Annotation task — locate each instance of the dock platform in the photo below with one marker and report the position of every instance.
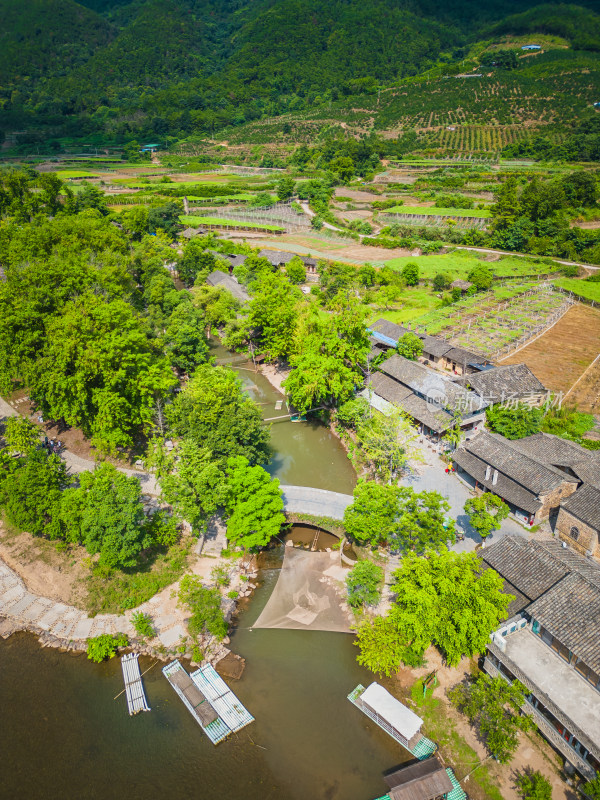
(134, 688)
(420, 746)
(209, 700)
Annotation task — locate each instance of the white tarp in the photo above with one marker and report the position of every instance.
(391, 710)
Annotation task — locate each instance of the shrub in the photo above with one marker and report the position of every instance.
(205, 605)
(143, 625)
(533, 786)
(105, 646)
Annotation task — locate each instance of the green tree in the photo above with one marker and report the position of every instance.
(108, 516)
(165, 218)
(273, 311)
(285, 187)
(534, 786)
(486, 513)
(296, 271)
(387, 443)
(441, 281)
(191, 481)
(410, 346)
(255, 505)
(100, 372)
(218, 306)
(371, 519)
(494, 706)
(353, 412)
(481, 277)
(21, 435)
(205, 605)
(186, 344)
(196, 263)
(421, 522)
(514, 422)
(443, 599)
(410, 273)
(363, 582)
(214, 412)
(31, 489)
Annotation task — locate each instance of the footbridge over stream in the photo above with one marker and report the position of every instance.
(318, 502)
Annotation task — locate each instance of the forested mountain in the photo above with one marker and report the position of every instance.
(118, 70)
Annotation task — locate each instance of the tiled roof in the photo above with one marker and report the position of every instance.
(277, 257)
(585, 505)
(462, 356)
(432, 384)
(389, 389)
(389, 329)
(529, 567)
(501, 383)
(505, 456)
(576, 563)
(553, 450)
(434, 346)
(588, 471)
(219, 278)
(505, 487)
(571, 611)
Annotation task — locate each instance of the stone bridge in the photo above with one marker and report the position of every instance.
(317, 502)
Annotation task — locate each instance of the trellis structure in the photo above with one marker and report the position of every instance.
(279, 214)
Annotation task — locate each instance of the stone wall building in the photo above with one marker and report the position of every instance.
(578, 522)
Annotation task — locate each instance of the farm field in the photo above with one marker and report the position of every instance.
(586, 394)
(497, 320)
(588, 289)
(218, 221)
(459, 264)
(411, 305)
(481, 213)
(560, 356)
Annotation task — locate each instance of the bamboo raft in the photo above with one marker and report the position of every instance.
(134, 688)
(209, 700)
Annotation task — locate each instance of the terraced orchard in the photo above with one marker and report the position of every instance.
(493, 328)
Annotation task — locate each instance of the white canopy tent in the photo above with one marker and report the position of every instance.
(392, 711)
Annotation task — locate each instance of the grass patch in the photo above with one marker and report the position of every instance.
(232, 223)
(442, 729)
(588, 289)
(481, 213)
(65, 174)
(121, 591)
(412, 304)
(459, 263)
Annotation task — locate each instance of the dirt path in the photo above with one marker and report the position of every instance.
(560, 356)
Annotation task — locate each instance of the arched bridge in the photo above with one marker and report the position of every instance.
(318, 502)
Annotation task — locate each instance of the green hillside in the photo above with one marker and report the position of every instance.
(285, 70)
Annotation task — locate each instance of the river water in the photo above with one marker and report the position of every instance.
(62, 735)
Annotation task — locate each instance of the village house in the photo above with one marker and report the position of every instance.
(437, 352)
(432, 399)
(280, 258)
(551, 644)
(532, 488)
(514, 383)
(229, 282)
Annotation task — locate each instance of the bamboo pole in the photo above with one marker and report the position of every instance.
(141, 676)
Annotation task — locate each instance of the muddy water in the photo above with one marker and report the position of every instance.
(63, 736)
(304, 453)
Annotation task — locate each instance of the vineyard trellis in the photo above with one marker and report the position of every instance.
(435, 220)
(279, 214)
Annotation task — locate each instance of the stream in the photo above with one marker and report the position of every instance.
(64, 736)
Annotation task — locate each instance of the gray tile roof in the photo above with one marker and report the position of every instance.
(554, 450)
(462, 356)
(505, 456)
(419, 409)
(529, 567)
(501, 383)
(576, 563)
(435, 347)
(277, 257)
(389, 329)
(585, 505)
(219, 278)
(430, 383)
(509, 490)
(389, 389)
(571, 612)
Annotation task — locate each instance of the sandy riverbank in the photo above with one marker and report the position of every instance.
(275, 375)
